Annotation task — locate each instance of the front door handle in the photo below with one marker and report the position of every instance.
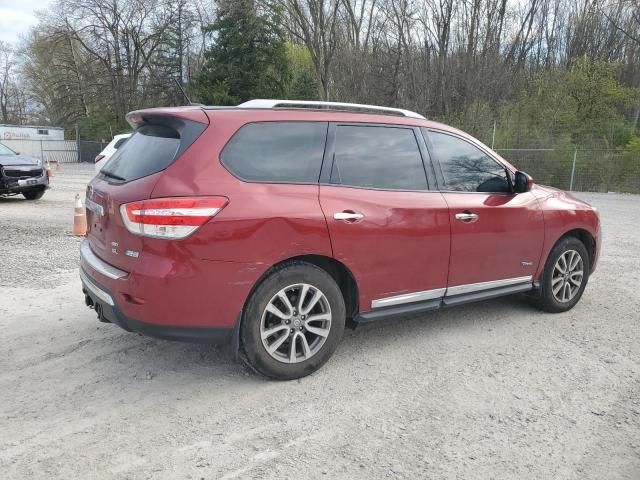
(466, 217)
(348, 216)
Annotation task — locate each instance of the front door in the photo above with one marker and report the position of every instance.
(496, 235)
(385, 225)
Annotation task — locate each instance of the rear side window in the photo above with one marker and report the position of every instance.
(150, 149)
(378, 157)
(285, 152)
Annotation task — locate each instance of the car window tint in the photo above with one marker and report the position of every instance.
(277, 151)
(150, 149)
(466, 168)
(119, 143)
(378, 157)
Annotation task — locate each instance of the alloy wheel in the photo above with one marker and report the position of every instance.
(567, 276)
(295, 323)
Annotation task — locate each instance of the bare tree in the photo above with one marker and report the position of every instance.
(315, 23)
(7, 67)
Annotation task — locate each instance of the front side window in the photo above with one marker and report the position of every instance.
(289, 152)
(378, 157)
(466, 168)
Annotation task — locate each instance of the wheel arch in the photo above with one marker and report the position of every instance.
(336, 269)
(587, 239)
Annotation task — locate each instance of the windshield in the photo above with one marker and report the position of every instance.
(4, 150)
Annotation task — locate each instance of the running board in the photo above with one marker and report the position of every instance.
(413, 308)
(397, 311)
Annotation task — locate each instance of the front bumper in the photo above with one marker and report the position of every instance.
(10, 184)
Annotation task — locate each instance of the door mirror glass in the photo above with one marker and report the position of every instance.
(522, 182)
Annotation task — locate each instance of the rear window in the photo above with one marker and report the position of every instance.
(279, 152)
(150, 149)
(119, 143)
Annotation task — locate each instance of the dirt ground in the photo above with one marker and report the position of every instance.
(495, 390)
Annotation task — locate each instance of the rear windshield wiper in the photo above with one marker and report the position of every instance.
(107, 173)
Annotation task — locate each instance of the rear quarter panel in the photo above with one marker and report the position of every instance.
(263, 223)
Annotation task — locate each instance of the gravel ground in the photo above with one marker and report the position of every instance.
(493, 390)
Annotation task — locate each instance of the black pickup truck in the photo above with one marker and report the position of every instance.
(21, 174)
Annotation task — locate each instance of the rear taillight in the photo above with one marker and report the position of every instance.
(171, 218)
(98, 158)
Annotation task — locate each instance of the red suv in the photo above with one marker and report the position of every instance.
(268, 225)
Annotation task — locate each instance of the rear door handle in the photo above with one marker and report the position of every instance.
(467, 217)
(348, 216)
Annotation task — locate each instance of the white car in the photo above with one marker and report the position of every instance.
(110, 149)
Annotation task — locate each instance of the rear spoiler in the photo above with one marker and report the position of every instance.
(167, 116)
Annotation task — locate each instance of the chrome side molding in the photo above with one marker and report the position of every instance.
(476, 287)
(450, 292)
(409, 298)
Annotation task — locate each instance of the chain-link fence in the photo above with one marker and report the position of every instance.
(593, 170)
(63, 151)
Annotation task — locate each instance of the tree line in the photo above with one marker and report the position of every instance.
(516, 72)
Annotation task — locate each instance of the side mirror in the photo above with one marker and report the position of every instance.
(523, 182)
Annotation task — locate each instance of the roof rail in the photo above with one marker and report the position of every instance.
(319, 105)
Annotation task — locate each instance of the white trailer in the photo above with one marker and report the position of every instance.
(30, 132)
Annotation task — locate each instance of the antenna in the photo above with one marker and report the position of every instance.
(183, 92)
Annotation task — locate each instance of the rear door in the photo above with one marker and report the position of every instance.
(130, 175)
(385, 224)
(496, 235)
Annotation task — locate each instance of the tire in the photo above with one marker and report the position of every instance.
(33, 195)
(321, 324)
(553, 279)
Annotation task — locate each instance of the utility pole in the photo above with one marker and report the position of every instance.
(78, 143)
(573, 169)
(493, 138)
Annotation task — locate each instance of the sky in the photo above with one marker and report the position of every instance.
(17, 16)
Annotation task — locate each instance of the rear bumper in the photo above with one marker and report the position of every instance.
(103, 302)
(195, 300)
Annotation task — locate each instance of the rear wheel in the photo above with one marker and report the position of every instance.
(37, 195)
(565, 276)
(293, 322)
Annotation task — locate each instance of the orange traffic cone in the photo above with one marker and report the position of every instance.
(49, 172)
(58, 166)
(79, 218)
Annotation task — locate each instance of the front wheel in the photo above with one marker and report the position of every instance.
(565, 276)
(293, 322)
(33, 195)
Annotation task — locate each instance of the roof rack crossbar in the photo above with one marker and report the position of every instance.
(355, 107)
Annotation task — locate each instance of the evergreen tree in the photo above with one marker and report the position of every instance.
(248, 58)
